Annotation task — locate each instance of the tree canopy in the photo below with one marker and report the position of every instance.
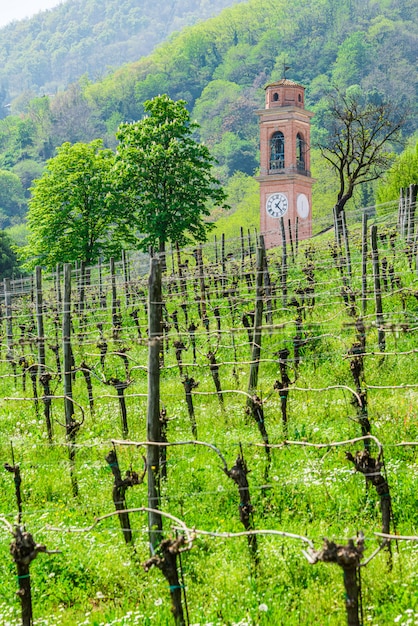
(12, 199)
(404, 172)
(8, 258)
(164, 180)
(69, 217)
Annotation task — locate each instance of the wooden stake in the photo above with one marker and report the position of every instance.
(116, 320)
(346, 243)
(202, 283)
(9, 323)
(153, 405)
(125, 277)
(58, 283)
(258, 320)
(364, 264)
(284, 263)
(291, 240)
(377, 290)
(70, 424)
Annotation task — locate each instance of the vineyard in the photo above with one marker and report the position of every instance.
(225, 436)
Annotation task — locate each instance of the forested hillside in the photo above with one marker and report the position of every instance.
(220, 67)
(56, 47)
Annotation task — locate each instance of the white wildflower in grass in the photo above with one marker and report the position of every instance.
(263, 607)
(158, 602)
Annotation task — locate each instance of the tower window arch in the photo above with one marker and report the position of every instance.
(300, 152)
(277, 151)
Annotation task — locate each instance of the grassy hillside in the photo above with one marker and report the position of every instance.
(305, 488)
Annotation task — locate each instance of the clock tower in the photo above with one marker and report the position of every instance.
(285, 177)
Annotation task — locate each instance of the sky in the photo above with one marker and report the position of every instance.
(18, 9)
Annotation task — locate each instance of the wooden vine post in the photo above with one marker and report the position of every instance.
(126, 280)
(116, 319)
(364, 264)
(223, 262)
(39, 319)
(58, 283)
(82, 298)
(284, 262)
(267, 290)
(9, 322)
(377, 290)
(258, 320)
(71, 425)
(199, 255)
(44, 377)
(346, 244)
(412, 196)
(153, 407)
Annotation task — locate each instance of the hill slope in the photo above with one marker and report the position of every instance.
(220, 67)
(56, 47)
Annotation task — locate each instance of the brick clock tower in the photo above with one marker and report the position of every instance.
(285, 178)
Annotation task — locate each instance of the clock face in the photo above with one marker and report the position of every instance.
(277, 205)
(302, 206)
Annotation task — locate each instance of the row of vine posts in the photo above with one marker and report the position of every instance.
(24, 549)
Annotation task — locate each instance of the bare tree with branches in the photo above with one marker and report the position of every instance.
(361, 130)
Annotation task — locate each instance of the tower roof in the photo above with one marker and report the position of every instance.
(284, 82)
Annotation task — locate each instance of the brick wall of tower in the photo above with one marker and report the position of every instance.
(284, 112)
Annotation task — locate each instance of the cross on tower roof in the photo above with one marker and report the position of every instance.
(285, 68)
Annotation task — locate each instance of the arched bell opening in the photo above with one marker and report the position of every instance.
(277, 151)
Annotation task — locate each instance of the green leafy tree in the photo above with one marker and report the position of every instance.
(28, 170)
(404, 172)
(69, 218)
(12, 199)
(165, 180)
(353, 60)
(8, 258)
